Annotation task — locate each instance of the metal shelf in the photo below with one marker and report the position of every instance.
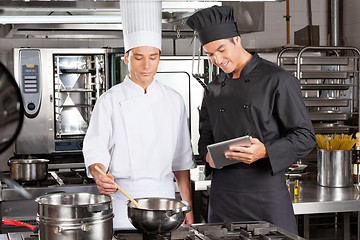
(325, 86)
(322, 72)
(326, 102)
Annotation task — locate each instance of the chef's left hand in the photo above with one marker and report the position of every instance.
(189, 218)
(250, 154)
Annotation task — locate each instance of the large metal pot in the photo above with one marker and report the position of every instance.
(334, 168)
(64, 216)
(157, 215)
(26, 170)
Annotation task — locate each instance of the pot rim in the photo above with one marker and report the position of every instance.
(131, 204)
(27, 161)
(40, 200)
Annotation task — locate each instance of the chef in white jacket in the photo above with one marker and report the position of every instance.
(138, 130)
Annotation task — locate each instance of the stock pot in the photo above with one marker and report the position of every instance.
(64, 216)
(157, 215)
(25, 170)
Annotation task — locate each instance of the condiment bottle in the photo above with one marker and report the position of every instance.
(356, 165)
(296, 188)
(287, 184)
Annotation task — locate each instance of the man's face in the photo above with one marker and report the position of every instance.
(142, 64)
(224, 53)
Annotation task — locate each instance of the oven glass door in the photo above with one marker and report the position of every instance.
(79, 81)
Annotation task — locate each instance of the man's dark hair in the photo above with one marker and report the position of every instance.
(232, 40)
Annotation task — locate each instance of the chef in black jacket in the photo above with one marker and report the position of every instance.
(253, 97)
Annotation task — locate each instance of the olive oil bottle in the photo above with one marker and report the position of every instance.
(296, 189)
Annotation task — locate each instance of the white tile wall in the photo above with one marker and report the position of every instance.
(274, 34)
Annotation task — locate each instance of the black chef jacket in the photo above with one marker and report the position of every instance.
(265, 102)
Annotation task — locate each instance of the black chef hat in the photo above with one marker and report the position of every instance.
(214, 23)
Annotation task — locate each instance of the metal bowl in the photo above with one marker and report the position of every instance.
(157, 215)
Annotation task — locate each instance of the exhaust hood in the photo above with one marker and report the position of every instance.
(91, 18)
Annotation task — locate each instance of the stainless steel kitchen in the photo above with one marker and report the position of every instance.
(73, 126)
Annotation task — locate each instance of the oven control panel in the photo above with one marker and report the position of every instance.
(30, 82)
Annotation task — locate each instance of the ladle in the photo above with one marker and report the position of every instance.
(119, 188)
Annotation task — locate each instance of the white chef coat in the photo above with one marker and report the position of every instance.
(142, 139)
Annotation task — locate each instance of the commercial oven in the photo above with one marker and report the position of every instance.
(59, 89)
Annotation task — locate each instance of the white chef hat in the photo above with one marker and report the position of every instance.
(141, 23)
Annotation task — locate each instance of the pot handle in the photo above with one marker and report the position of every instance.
(83, 228)
(98, 208)
(184, 209)
(33, 228)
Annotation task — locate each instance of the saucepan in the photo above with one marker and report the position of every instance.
(157, 215)
(25, 170)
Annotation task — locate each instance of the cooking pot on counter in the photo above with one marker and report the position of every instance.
(26, 170)
(75, 216)
(157, 215)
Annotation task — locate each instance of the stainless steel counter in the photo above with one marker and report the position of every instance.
(313, 199)
(317, 199)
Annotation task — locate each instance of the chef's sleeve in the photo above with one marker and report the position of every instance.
(206, 134)
(98, 137)
(298, 137)
(183, 157)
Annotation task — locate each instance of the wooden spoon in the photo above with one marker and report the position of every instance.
(119, 188)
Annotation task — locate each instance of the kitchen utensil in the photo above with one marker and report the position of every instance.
(119, 188)
(57, 178)
(33, 228)
(26, 170)
(158, 215)
(64, 216)
(334, 168)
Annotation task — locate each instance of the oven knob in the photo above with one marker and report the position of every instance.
(31, 106)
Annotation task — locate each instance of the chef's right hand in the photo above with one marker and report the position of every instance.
(104, 184)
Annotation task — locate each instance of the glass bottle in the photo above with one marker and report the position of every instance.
(296, 188)
(356, 165)
(288, 184)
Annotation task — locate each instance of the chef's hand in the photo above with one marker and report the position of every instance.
(250, 154)
(104, 185)
(209, 161)
(189, 218)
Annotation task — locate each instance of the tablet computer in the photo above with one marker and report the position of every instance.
(217, 150)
